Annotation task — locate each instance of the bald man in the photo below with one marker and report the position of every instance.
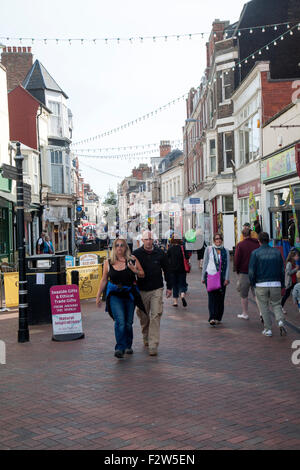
(154, 262)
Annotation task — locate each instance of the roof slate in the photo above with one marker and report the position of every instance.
(38, 78)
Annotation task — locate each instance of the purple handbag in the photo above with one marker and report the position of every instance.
(214, 280)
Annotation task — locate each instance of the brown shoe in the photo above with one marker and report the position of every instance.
(152, 352)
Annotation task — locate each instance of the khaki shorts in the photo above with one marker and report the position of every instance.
(243, 285)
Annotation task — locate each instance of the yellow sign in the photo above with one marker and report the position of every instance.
(102, 254)
(89, 279)
(11, 289)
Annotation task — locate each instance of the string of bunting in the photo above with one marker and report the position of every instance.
(141, 39)
(253, 55)
(131, 123)
(130, 155)
(130, 147)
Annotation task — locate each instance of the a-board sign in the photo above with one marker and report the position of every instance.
(88, 259)
(66, 313)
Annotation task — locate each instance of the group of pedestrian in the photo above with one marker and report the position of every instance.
(260, 268)
(137, 281)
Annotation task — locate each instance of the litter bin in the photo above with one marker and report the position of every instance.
(43, 272)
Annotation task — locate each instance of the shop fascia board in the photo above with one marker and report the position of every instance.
(281, 182)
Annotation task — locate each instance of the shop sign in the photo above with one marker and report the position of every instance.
(89, 279)
(70, 261)
(245, 189)
(5, 184)
(279, 165)
(88, 259)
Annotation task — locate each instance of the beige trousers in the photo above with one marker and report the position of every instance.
(150, 324)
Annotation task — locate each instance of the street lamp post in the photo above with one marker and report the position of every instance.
(23, 333)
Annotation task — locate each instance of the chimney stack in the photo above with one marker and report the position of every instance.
(17, 61)
(164, 148)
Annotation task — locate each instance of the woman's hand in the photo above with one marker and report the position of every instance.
(132, 265)
(99, 301)
(226, 283)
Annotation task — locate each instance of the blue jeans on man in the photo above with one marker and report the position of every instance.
(123, 313)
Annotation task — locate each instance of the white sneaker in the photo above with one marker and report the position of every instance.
(243, 315)
(282, 328)
(267, 332)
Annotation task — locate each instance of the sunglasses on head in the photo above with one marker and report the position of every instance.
(218, 239)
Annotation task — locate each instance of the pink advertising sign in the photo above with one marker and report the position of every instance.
(66, 312)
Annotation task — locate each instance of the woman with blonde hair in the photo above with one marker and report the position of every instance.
(122, 294)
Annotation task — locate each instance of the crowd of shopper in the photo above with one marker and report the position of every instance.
(136, 280)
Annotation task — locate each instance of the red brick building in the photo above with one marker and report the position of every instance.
(23, 113)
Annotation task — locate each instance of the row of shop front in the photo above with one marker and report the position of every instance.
(230, 202)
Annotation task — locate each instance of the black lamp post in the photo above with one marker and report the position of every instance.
(23, 333)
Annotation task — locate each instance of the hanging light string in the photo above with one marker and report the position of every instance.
(110, 40)
(137, 39)
(262, 28)
(253, 55)
(266, 47)
(131, 123)
(256, 54)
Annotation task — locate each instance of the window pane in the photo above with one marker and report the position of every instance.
(227, 203)
(212, 146)
(247, 146)
(242, 147)
(213, 164)
(57, 179)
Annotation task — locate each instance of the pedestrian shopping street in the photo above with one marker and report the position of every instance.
(227, 387)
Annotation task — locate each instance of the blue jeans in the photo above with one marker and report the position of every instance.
(179, 284)
(123, 312)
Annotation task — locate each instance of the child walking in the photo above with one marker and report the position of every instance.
(290, 275)
(296, 291)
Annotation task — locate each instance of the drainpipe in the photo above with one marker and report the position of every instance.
(40, 168)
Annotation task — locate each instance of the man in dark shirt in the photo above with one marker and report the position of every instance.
(153, 261)
(241, 261)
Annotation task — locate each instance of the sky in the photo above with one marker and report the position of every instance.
(110, 84)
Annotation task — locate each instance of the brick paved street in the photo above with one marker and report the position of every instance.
(209, 388)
